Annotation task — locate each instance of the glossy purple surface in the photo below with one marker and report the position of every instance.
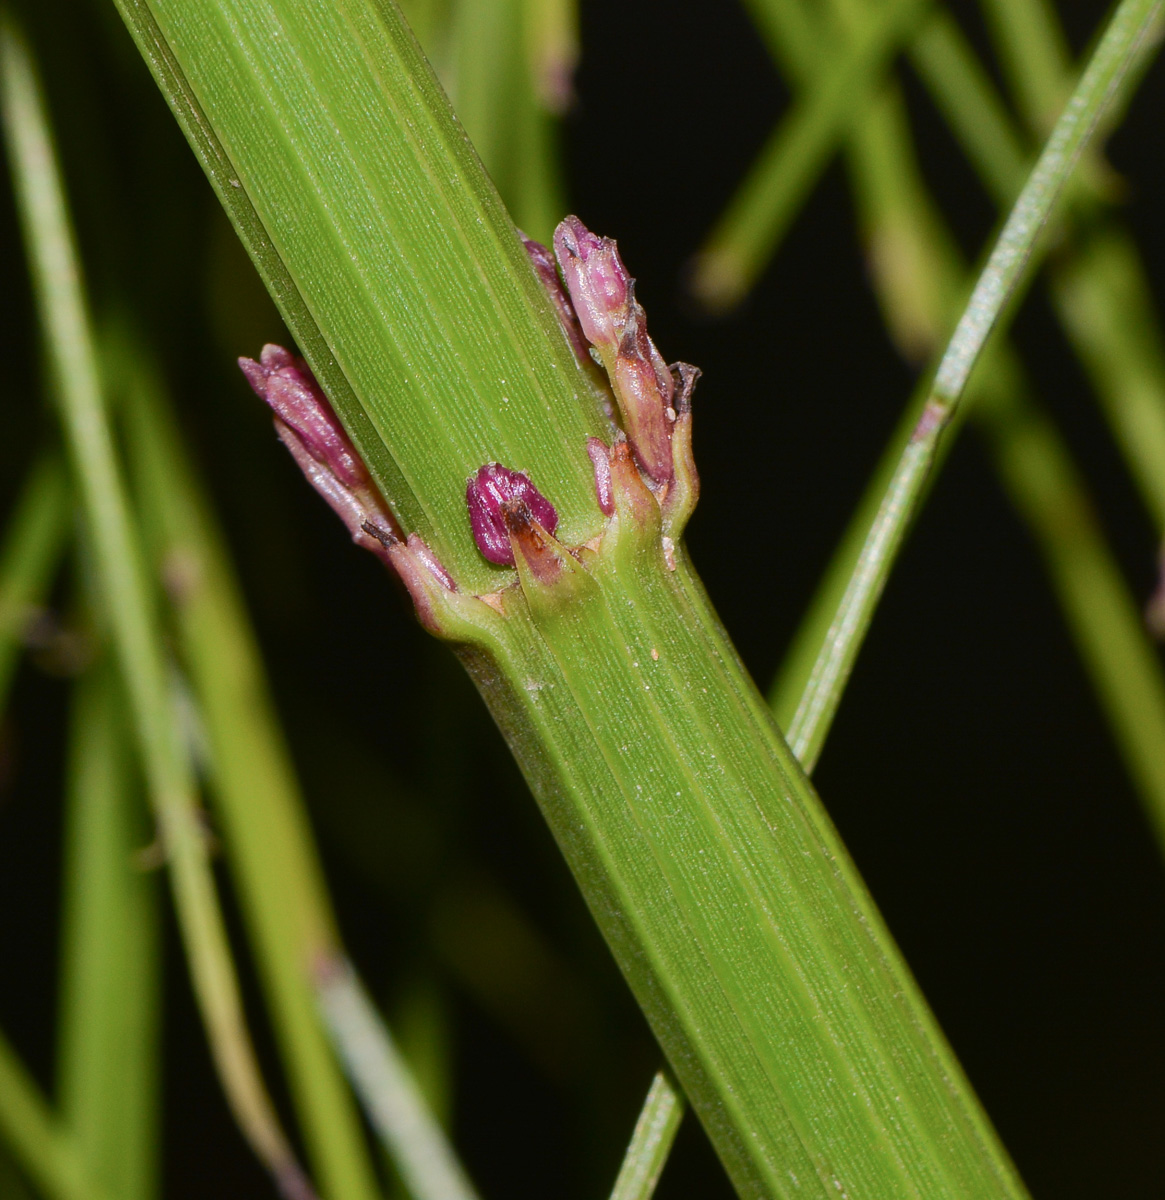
(485, 494)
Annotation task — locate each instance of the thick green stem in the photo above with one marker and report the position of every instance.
(702, 849)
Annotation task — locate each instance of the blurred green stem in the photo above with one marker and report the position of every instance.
(127, 598)
(109, 1057)
(765, 204)
(391, 1098)
(267, 837)
(34, 543)
(1099, 88)
(49, 1154)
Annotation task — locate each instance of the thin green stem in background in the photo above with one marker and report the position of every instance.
(1099, 289)
(34, 544)
(920, 280)
(651, 1143)
(48, 1154)
(1034, 54)
(108, 1061)
(798, 150)
(126, 598)
(267, 838)
(1099, 88)
(394, 1105)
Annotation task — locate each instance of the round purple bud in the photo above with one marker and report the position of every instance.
(486, 492)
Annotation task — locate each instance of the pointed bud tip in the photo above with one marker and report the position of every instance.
(599, 286)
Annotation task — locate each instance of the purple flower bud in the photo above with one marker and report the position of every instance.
(603, 295)
(600, 289)
(309, 428)
(543, 263)
(486, 494)
(644, 387)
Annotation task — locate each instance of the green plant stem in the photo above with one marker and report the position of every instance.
(495, 51)
(111, 966)
(707, 859)
(1098, 284)
(919, 280)
(1034, 54)
(265, 828)
(1098, 88)
(127, 599)
(793, 158)
(651, 1143)
(391, 1098)
(48, 1154)
(34, 543)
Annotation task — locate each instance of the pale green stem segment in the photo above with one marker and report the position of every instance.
(261, 813)
(48, 1154)
(108, 1058)
(1100, 291)
(504, 57)
(775, 188)
(920, 279)
(651, 1143)
(34, 543)
(1098, 88)
(1098, 286)
(722, 887)
(393, 1102)
(127, 599)
(1034, 54)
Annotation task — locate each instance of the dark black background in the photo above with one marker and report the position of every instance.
(970, 771)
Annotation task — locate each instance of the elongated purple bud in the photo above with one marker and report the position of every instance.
(600, 288)
(309, 428)
(542, 261)
(487, 495)
(603, 295)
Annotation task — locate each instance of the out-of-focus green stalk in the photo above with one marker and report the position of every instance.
(1098, 283)
(391, 1098)
(45, 1150)
(509, 73)
(126, 598)
(920, 280)
(265, 828)
(765, 204)
(1034, 54)
(1099, 288)
(108, 1057)
(1115, 55)
(1102, 297)
(651, 1143)
(33, 545)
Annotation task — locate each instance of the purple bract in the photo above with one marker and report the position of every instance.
(487, 493)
